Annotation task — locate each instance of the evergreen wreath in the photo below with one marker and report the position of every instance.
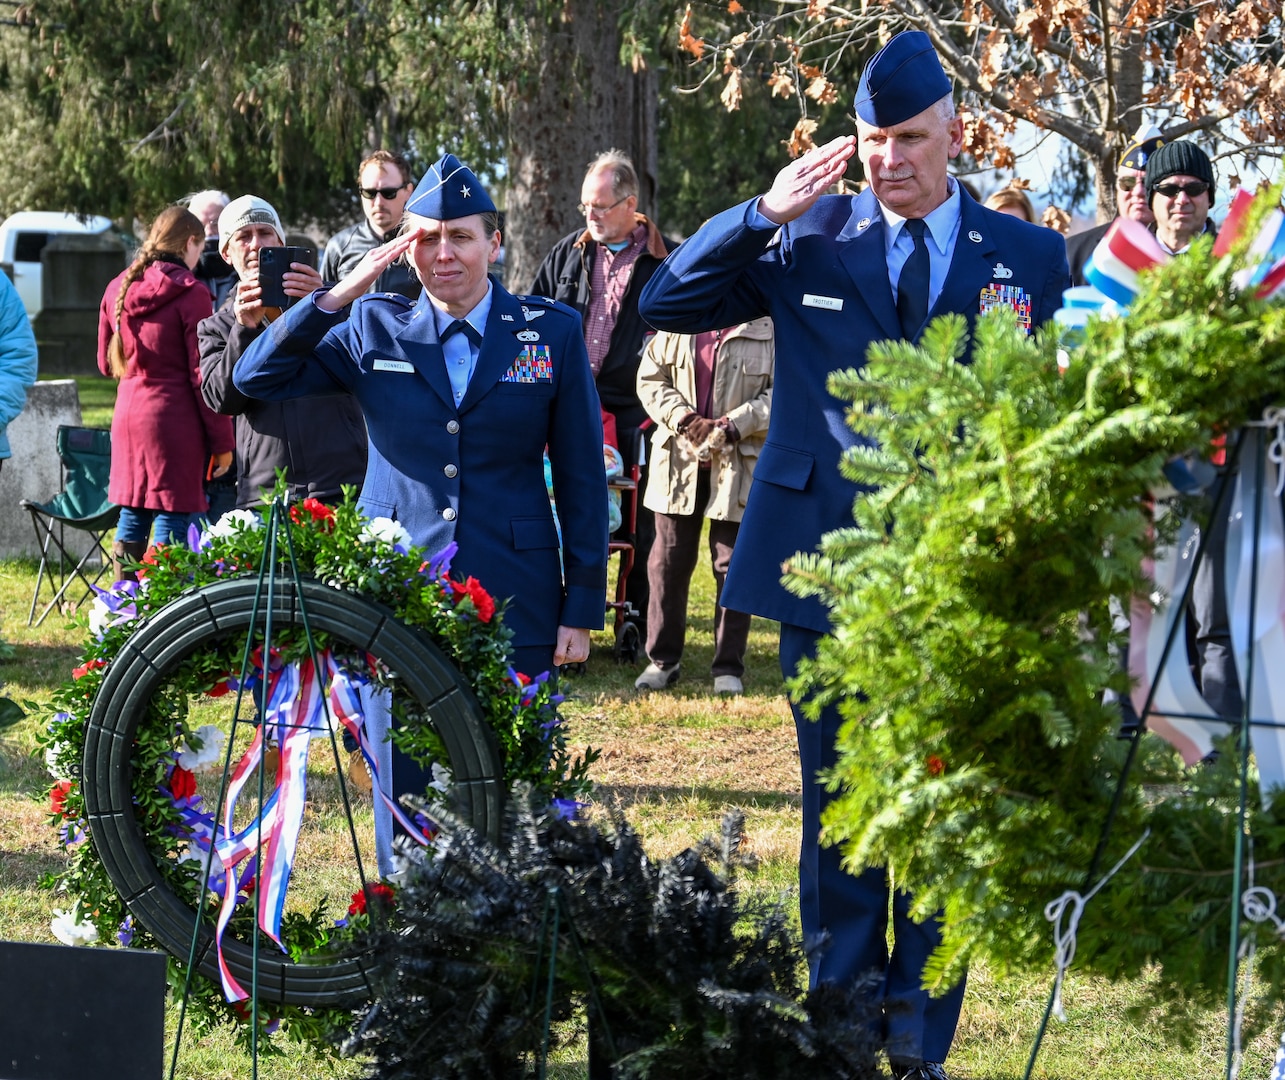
(972, 637)
(341, 549)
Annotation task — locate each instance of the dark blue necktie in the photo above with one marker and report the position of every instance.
(912, 287)
(461, 326)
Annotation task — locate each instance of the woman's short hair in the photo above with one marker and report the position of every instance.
(1015, 197)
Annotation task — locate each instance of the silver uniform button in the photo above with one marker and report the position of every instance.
(449, 513)
(452, 426)
(450, 470)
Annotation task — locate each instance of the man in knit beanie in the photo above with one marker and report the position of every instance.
(1180, 192)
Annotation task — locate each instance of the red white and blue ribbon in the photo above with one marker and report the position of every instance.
(296, 703)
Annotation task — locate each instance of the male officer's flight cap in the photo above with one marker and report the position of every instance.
(449, 190)
(901, 80)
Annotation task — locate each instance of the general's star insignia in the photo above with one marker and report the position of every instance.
(465, 191)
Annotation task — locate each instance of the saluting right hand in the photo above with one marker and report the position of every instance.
(798, 186)
(366, 273)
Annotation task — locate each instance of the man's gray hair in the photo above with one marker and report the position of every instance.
(624, 177)
(201, 198)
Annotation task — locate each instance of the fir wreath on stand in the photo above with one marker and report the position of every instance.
(973, 638)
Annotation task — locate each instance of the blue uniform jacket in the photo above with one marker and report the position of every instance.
(823, 278)
(473, 475)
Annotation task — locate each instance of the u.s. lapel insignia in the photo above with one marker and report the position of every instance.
(532, 313)
(507, 318)
(528, 335)
(1002, 272)
(975, 236)
(863, 224)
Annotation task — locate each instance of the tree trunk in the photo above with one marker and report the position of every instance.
(575, 100)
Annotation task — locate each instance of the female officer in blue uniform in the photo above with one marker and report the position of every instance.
(462, 392)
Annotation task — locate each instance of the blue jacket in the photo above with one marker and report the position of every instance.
(472, 475)
(17, 359)
(823, 279)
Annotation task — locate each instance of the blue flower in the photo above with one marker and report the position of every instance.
(125, 934)
(440, 564)
(567, 809)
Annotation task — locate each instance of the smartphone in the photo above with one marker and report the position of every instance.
(274, 262)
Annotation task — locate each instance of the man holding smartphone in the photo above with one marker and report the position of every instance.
(319, 442)
(384, 184)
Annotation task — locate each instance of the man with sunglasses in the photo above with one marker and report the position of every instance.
(600, 270)
(1130, 198)
(384, 184)
(1180, 193)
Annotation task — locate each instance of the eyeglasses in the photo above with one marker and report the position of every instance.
(389, 193)
(1128, 183)
(598, 211)
(1192, 190)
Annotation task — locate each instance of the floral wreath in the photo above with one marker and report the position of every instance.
(341, 548)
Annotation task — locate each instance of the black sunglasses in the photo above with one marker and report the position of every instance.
(1192, 190)
(389, 193)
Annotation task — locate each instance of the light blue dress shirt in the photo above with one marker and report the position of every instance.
(942, 232)
(459, 352)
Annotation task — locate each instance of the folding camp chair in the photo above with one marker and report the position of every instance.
(82, 505)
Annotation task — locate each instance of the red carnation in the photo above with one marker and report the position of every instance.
(319, 512)
(149, 559)
(935, 765)
(182, 782)
(482, 602)
(58, 797)
(219, 689)
(377, 891)
(86, 668)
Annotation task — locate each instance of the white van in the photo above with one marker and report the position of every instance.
(23, 237)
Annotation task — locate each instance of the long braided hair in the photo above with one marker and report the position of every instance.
(169, 236)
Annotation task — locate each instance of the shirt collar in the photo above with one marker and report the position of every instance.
(475, 318)
(941, 222)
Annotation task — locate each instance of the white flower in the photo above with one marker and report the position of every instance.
(384, 530)
(100, 617)
(53, 752)
(442, 778)
(207, 758)
(68, 928)
(234, 521)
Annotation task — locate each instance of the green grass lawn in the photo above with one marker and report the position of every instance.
(674, 762)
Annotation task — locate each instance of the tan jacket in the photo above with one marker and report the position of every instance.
(742, 392)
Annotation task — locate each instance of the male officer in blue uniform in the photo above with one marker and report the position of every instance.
(462, 392)
(837, 273)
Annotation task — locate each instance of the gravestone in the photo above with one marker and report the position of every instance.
(75, 270)
(81, 1012)
(34, 471)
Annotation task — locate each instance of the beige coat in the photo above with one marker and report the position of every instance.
(742, 392)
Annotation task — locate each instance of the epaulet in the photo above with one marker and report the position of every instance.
(396, 299)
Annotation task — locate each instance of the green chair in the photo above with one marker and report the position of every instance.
(81, 505)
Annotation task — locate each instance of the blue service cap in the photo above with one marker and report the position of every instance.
(449, 190)
(901, 80)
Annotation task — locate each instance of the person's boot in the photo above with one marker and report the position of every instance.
(127, 552)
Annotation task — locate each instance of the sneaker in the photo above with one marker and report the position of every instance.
(653, 678)
(728, 684)
(924, 1070)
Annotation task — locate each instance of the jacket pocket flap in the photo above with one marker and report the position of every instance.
(786, 468)
(533, 533)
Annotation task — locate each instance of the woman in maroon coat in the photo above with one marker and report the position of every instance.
(163, 433)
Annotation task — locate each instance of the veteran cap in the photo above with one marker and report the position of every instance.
(247, 210)
(901, 80)
(1145, 142)
(449, 190)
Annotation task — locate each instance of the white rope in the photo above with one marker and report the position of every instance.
(1064, 938)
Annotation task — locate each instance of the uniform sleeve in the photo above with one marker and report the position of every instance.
(709, 280)
(305, 353)
(580, 486)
